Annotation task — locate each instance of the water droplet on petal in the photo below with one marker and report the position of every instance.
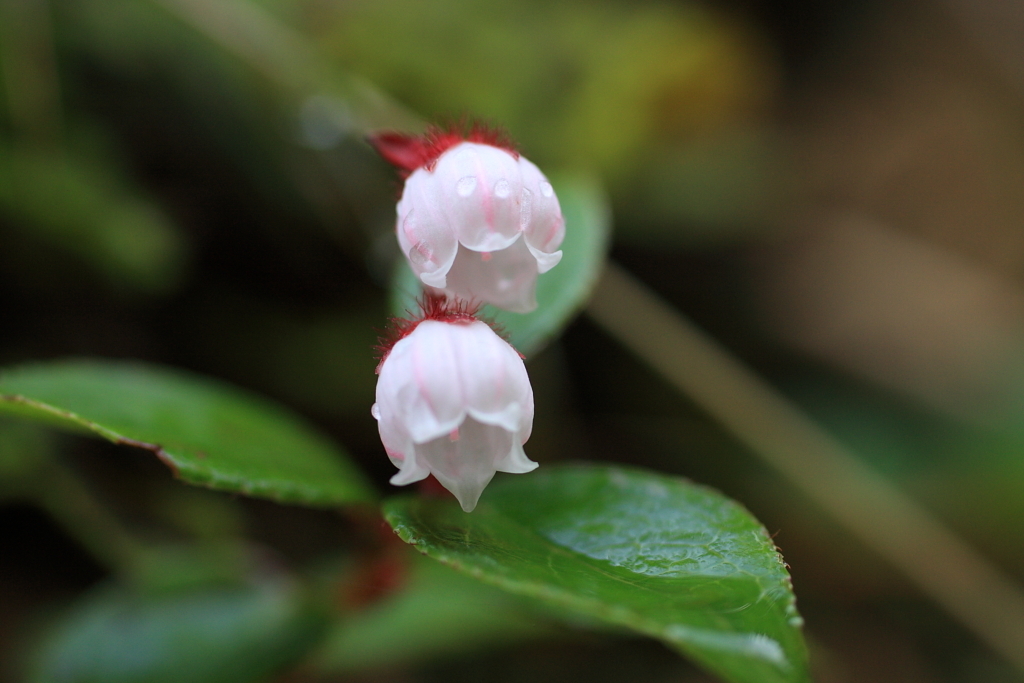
(502, 189)
(419, 254)
(466, 185)
(375, 411)
(546, 189)
(525, 209)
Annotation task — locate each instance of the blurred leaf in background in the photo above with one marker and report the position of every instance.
(207, 635)
(437, 614)
(78, 206)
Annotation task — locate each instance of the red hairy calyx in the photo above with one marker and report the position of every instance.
(410, 152)
(432, 307)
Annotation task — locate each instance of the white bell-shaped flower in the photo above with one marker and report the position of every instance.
(454, 400)
(480, 223)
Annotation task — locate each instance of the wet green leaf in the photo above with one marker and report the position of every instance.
(209, 433)
(562, 291)
(656, 554)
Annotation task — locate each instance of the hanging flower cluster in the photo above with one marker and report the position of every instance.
(476, 220)
(453, 400)
(477, 223)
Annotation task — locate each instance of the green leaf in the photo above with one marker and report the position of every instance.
(218, 634)
(562, 291)
(80, 203)
(438, 612)
(208, 433)
(656, 554)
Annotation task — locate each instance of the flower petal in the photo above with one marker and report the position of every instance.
(424, 232)
(464, 461)
(481, 188)
(506, 279)
(419, 384)
(500, 393)
(400, 449)
(545, 261)
(516, 462)
(410, 473)
(545, 227)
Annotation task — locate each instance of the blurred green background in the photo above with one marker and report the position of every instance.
(834, 190)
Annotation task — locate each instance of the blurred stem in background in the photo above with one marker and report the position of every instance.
(72, 505)
(283, 57)
(329, 108)
(32, 470)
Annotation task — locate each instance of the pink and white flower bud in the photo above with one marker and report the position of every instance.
(454, 400)
(476, 220)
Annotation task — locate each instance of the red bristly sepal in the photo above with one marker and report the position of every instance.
(432, 306)
(410, 152)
